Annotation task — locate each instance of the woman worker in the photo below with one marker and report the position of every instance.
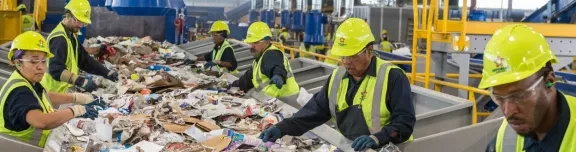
(27, 114)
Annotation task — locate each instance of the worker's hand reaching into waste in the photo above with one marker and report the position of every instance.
(209, 65)
(278, 81)
(112, 76)
(81, 98)
(86, 84)
(363, 142)
(270, 134)
(84, 111)
(97, 101)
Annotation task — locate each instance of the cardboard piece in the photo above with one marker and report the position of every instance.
(191, 120)
(217, 143)
(175, 128)
(207, 126)
(139, 117)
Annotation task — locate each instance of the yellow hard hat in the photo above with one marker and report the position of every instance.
(29, 41)
(352, 35)
(257, 31)
(384, 32)
(514, 53)
(20, 7)
(80, 9)
(219, 26)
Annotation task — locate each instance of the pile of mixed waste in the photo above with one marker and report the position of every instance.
(165, 103)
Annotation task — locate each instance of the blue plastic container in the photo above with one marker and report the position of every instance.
(285, 19)
(314, 29)
(298, 21)
(253, 16)
(141, 7)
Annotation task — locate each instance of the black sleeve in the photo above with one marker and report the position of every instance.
(273, 64)
(315, 113)
(17, 104)
(59, 48)
(228, 56)
(245, 81)
(401, 107)
(208, 56)
(89, 64)
(491, 147)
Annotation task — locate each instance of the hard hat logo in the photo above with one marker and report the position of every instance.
(341, 43)
(87, 14)
(41, 44)
(500, 65)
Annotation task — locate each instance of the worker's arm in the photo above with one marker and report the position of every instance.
(401, 107)
(228, 59)
(273, 64)
(89, 64)
(23, 110)
(60, 98)
(59, 48)
(491, 145)
(315, 113)
(245, 81)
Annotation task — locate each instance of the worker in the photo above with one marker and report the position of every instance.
(70, 56)
(27, 114)
(369, 98)
(385, 43)
(284, 36)
(270, 72)
(27, 20)
(275, 32)
(179, 23)
(222, 54)
(518, 72)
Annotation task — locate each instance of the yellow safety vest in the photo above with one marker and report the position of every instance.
(31, 135)
(261, 82)
(216, 56)
(285, 35)
(386, 46)
(372, 89)
(27, 23)
(51, 84)
(508, 141)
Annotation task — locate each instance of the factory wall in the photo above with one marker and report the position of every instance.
(395, 20)
(108, 23)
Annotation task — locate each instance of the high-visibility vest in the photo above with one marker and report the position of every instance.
(507, 140)
(31, 135)
(27, 23)
(262, 83)
(386, 46)
(217, 56)
(51, 84)
(371, 95)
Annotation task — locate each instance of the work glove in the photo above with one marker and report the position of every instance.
(85, 84)
(364, 142)
(112, 76)
(84, 111)
(95, 101)
(270, 134)
(189, 62)
(209, 65)
(278, 81)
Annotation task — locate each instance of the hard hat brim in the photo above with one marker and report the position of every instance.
(496, 80)
(344, 52)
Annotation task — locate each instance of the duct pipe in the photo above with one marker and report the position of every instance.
(348, 9)
(305, 6)
(336, 8)
(509, 14)
(316, 5)
(299, 5)
(270, 5)
(265, 4)
(286, 5)
(252, 4)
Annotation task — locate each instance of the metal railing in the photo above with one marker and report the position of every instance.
(418, 78)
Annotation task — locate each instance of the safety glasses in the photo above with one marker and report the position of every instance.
(353, 57)
(34, 62)
(517, 97)
(79, 23)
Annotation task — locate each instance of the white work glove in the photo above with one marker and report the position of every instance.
(78, 110)
(81, 98)
(84, 111)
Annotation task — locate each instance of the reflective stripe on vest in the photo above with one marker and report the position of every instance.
(261, 81)
(31, 135)
(507, 140)
(376, 101)
(48, 82)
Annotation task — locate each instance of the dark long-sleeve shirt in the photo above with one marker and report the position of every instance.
(59, 48)
(398, 101)
(18, 103)
(272, 64)
(553, 138)
(227, 56)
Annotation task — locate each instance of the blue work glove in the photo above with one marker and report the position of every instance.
(363, 142)
(112, 76)
(209, 65)
(98, 101)
(270, 134)
(91, 112)
(278, 81)
(85, 84)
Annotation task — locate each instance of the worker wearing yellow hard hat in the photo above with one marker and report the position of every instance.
(270, 73)
(26, 113)
(69, 56)
(369, 98)
(27, 19)
(284, 36)
(518, 72)
(385, 44)
(222, 54)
